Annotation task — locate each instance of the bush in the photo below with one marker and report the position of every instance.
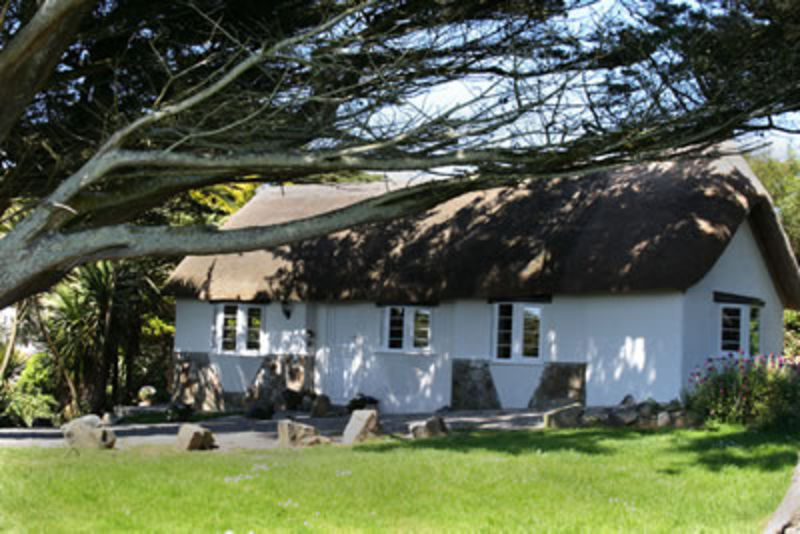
(37, 377)
(23, 408)
(762, 391)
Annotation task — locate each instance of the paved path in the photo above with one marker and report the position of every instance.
(237, 432)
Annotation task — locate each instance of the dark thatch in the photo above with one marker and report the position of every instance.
(651, 227)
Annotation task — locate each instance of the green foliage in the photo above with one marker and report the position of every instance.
(762, 391)
(37, 377)
(781, 178)
(23, 407)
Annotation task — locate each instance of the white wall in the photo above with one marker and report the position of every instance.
(350, 361)
(740, 270)
(236, 373)
(631, 343)
(193, 325)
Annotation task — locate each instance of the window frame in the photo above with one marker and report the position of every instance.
(517, 341)
(241, 328)
(409, 339)
(745, 318)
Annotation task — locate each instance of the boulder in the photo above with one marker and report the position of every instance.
(623, 416)
(564, 417)
(362, 402)
(110, 419)
(193, 437)
(362, 425)
(311, 441)
(663, 420)
(321, 406)
(294, 434)
(628, 402)
(648, 408)
(595, 416)
(430, 428)
(679, 419)
(88, 432)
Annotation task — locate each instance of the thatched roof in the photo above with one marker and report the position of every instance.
(649, 227)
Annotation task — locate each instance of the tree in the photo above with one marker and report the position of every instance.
(109, 109)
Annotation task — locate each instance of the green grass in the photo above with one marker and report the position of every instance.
(591, 480)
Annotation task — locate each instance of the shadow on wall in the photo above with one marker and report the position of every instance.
(402, 382)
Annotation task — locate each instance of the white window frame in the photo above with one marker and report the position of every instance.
(242, 311)
(745, 314)
(409, 315)
(517, 333)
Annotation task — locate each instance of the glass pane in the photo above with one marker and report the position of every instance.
(422, 328)
(755, 331)
(254, 328)
(731, 329)
(530, 333)
(396, 324)
(504, 330)
(229, 327)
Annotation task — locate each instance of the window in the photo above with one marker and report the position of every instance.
(239, 328)
(740, 329)
(254, 329)
(517, 331)
(407, 328)
(229, 320)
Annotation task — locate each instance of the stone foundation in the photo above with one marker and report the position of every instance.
(197, 384)
(561, 384)
(473, 387)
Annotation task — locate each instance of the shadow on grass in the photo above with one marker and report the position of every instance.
(515, 442)
(743, 449)
(713, 450)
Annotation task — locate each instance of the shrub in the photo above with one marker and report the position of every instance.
(762, 391)
(37, 377)
(22, 407)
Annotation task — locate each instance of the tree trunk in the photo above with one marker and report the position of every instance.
(787, 516)
(12, 340)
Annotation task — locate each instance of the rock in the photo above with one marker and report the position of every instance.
(194, 438)
(628, 402)
(312, 441)
(473, 386)
(293, 434)
(431, 428)
(109, 419)
(88, 432)
(362, 402)
(679, 419)
(648, 408)
(565, 417)
(595, 416)
(663, 420)
(362, 425)
(623, 416)
(321, 406)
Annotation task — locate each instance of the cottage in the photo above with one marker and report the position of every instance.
(588, 287)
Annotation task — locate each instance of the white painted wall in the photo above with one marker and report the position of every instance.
(740, 270)
(236, 373)
(350, 361)
(631, 343)
(194, 320)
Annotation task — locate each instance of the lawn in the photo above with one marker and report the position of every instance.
(596, 480)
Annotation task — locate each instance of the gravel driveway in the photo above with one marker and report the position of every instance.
(237, 432)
